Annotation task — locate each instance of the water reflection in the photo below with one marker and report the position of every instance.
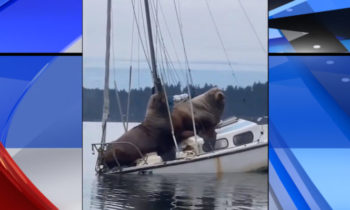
(180, 191)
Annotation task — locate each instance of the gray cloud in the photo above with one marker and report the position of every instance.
(202, 44)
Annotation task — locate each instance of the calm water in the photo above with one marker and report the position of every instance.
(180, 191)
(176, 191)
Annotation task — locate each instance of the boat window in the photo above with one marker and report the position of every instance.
(221, 144)
(243, 138)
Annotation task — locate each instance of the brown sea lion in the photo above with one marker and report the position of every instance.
(152, 135)
(208, 108)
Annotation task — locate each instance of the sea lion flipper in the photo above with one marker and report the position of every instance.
(209, 137)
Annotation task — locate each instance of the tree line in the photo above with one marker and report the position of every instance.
(249, 102)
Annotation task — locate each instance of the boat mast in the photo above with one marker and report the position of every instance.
(105, 110)
(156, 80)
(106, 86)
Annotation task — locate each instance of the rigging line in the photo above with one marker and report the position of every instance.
(105, 112)
(138, 70)
(145, 34)
(120, 106)
(132, 39)
(179, 21)
(165, 68)
(162, 60)
(155, 13)
(138, 52)
(162, 66)
(139, 33)
(170, 36)
(169, 70)
(180, 18)
(130, 74)
(170, 66)
(160, 37)
(220, 39)
(114, 76)
(152, 11)
(170, 118)
(182, 40)
(251, 25)
(188, 76)
(162, 45)
(129, 98)
(155, 76)
(167, 59)
(166, 54)
(161, 41)
(191, 108)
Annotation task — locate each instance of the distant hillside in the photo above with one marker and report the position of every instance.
(249, 102)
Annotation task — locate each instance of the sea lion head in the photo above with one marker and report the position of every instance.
(157, 102)
(215, 98)
(209, 105)
(157, 111)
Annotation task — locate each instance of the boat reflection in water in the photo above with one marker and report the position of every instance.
(180, 191)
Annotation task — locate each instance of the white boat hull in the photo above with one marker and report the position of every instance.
(244, 159)
(232, 157)
(252, 160)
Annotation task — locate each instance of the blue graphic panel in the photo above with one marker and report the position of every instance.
(333, 75)
(3, 2)
(280, 45)
(312, 111)
(16, 75)
(326, 5)
(48, 111)
(39, 25)
(299, 7)
(309, 131)
(346, 43)
(327, 169)
(322, 26)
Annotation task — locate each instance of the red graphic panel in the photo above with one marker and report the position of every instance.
(16, 190)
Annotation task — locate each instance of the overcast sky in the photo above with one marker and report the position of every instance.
(202, 44)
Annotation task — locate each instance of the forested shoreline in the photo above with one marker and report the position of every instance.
(249, 102)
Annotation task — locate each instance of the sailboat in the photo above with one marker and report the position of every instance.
(241, 145)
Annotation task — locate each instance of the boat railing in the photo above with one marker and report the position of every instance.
(101, 147)
(226, 122)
